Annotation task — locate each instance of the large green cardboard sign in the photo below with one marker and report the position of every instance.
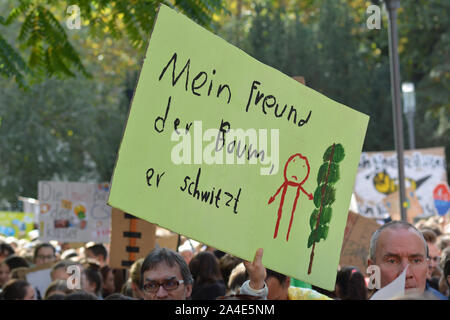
(228, 151)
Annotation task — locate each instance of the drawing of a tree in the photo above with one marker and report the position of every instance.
(324, 197)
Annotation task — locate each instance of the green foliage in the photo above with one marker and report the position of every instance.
(11, 63)
(44, 39)
(56, 130)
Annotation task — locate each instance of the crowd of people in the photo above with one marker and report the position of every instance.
(203, 273)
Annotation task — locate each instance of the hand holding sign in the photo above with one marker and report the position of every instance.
(256, 271)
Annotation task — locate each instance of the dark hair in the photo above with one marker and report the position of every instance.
(227, 263)
(5, 247)
(40, 246)
(98, 249)
(14, 262)
(429, 235)
(104, 272)
(280, 277)
(93, 275)
(204, 268)
(351, 284)
(15, 289)
(171, 258)
(447, 270)
(118, 296)
(80, 295)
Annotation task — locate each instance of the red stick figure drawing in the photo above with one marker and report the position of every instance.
(296, 172)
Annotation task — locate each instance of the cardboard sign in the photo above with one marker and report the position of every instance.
(355, 248)
(131, 239)
(228, 151)
(16, 224)
(74, 211)
(377, 190)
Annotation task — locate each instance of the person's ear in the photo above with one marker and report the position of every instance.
(287, 282)
(188, 290)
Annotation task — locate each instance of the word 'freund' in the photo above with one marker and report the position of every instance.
(201, 79)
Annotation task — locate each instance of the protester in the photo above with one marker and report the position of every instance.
(108, 281)
(165, 275)
(132, 287)
(350, 284)
(44, 253)
(395, 246)
(93, 283)
(8, 265)
(5, 251)
(97, 252)
(18, 290)
(208, 282)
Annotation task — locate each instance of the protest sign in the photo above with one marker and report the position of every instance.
(131, 239)
(226, 150)
(376, 186)
(74, 211)
(16, 224)
(355, 248)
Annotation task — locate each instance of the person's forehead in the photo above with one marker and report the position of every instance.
(45, 250)
(163, 271)
(400, 241)
(433, 250)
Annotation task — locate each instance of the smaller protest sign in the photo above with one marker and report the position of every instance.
(74, 211)
(131, 239)
(15, 224)
(355, 249)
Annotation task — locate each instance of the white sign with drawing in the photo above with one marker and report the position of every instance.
(376, 185)
(74, 211)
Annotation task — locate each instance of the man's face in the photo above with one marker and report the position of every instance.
(396, 248)
(164, 272)
(4, 274)
(435, 255)
(45, 255)
(277, 291)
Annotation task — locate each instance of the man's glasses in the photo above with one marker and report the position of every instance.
(168, 285)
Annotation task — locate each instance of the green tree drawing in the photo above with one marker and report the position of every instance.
(324, 197)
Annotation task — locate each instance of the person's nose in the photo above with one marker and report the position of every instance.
(409, 273)
(161, 293)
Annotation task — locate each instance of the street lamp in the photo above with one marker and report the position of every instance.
(409, 108)
(392, 6)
